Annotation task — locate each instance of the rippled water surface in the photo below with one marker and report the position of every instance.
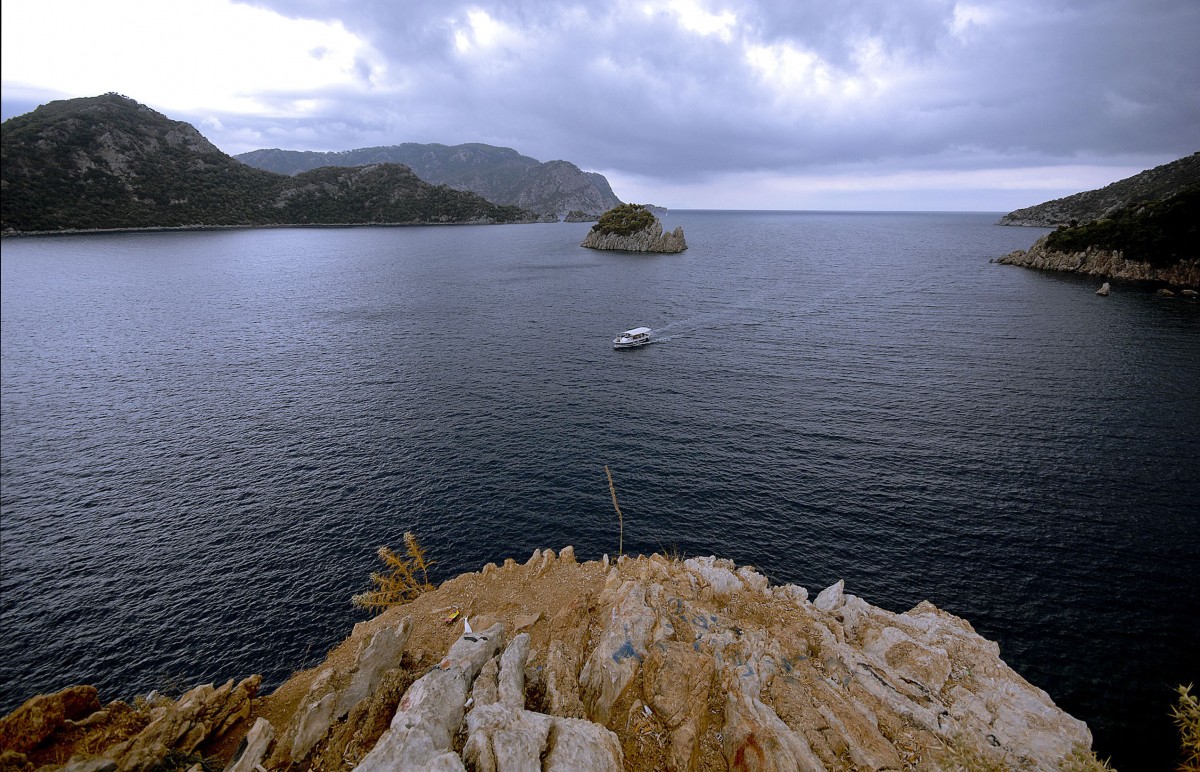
(206, 435)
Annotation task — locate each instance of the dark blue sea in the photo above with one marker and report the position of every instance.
(206, 435)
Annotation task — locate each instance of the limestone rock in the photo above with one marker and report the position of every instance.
(716, 575)
(1104, 290)
(86, 765)
(795, 593)
(29, 725)
(1108, 264)
(643, 662)
(832, 597)
(335, 692)
(632, 627)
(569, 629)
(253, 748)
(576, 744)
(676, 682)
(755, 738)
(502, 735)
(432, 709)
(206, 712)
(648, 238)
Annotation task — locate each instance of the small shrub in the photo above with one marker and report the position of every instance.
(1161, 233)
(625, 220)
(406, 578)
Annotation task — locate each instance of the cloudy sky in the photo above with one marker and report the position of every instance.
(742, 104)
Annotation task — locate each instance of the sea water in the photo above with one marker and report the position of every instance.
(206, 435)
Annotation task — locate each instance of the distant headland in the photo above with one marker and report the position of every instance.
(1145, 228)
(109, 163)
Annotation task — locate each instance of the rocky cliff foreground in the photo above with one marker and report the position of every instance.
(1105, 263)
(644, 664)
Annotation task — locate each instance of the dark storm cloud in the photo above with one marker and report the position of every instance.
(688, 91)
(628, 85)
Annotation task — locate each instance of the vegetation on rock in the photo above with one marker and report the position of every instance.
(1157, 184)
(625, 220)
(1160, 233)
(499, 174)
(109, 163)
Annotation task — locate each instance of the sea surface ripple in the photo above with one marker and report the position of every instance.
(206, 435)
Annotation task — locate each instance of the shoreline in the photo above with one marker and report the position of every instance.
(185, 228)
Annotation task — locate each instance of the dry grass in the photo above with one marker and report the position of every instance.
(960, 756)
(1083, 759)
(1186, 714)
(406, 578)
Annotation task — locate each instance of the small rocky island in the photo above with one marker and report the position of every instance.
(633, 228)
(642, 663)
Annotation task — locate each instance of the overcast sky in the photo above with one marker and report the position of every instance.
(987, 105)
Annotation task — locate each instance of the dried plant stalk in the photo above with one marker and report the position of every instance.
(1186, 714)
(620, 517)
(405, 578)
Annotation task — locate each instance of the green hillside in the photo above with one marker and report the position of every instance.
(108, 162)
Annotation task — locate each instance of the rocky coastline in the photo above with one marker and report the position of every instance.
(1104, 263)
(642, 663)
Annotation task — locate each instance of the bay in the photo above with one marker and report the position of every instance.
(206, 435)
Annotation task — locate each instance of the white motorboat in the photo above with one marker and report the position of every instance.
(638, 336)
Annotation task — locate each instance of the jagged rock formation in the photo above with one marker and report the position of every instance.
(85, 737)
(110, 163)
(501, 175)
(643, 663)
(1105, 263)
(1155, 184)
(633, 228)
(652, 239)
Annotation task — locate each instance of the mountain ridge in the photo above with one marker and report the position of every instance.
(1151, 185)
(111, 163)
(501, 175)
